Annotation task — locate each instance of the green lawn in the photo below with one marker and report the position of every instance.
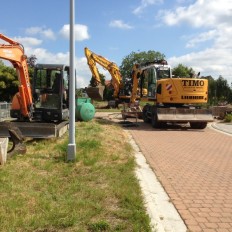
(98, 192)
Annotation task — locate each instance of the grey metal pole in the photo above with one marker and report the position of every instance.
(72, 143)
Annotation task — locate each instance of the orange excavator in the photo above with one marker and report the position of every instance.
(47, 99)
(41, 110)
(14, 52)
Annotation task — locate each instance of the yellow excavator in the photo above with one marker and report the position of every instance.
(174, 99)
(96, 93)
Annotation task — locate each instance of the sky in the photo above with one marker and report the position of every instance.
(195, 33)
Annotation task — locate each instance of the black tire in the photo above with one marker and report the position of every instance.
(155, 122)
(124, 117)
(198, 125)
(154, 119)
(145, 117)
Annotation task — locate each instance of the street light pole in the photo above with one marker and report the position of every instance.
(72, 143)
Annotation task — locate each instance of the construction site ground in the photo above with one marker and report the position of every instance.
(194, 168)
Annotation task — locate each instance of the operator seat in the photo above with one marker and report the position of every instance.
(56, 83)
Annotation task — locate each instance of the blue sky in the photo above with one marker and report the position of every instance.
(196, 33)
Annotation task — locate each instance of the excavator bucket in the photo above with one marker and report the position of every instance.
(184, 115)
(96, 93)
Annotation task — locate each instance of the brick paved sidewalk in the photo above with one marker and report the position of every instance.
(195, 169)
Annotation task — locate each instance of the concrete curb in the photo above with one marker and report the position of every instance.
(3, 150)
(164, 217)
(223, 128)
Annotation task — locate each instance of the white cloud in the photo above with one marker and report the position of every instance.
(211, 15)
(144, 4)
(202, 13)
(183, 1)
(210, 61)
(220, 36)
(224, 37)
(83, 74)
(214, 17)
(28, 41)
(44, 56)
(80, 31)
(48, 33)
(33, 30)
(205, 36)
(120, 24)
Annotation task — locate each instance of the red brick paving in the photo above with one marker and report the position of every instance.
(195, 169)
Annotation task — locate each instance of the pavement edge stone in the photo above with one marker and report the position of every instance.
(164, 216)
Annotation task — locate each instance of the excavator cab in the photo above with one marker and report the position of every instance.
(50, 92)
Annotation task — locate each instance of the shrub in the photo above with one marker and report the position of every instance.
(228, 118)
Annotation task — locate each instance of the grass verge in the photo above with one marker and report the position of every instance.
(98, 192)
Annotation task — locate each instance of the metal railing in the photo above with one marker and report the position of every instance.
(4, 110)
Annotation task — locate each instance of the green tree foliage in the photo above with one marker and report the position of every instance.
(138, 58)
(31, 61)
(183, 71)
(223, 90)
(228, 118)
(220, 91)
(211, 89)
(108, 94)
(8, 82)
(93, 82)
(79, 92)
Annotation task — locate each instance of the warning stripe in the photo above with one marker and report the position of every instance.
(168, 87)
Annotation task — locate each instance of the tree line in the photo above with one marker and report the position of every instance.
(220, 91)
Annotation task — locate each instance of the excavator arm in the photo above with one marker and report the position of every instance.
(135, 80)
(93, 59)
(14, 52)
(92, 65)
